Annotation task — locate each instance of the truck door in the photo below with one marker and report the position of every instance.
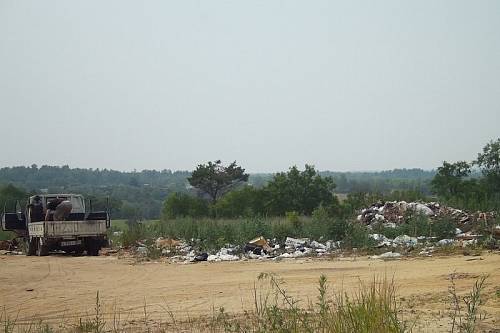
(14, 221)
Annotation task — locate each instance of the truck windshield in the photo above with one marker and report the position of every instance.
(78, 205)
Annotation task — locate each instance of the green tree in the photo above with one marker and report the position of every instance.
(215, 179)
(132, 213)
(449, 179)
(9, 195)
(299, 191)
(181, 205)
(489, 162)
(247, 201)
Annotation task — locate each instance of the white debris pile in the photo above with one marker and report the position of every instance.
(381, 240)
(224, 254)
(420, 208)
(405, 241)
(301, 247)
(296, 242)
(427, 251)
(393, 213)
(445, 242)
(142, 250)
(496, 231)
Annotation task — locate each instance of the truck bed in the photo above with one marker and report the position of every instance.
(56, 229)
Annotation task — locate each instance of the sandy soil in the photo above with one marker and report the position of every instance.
(55, 287)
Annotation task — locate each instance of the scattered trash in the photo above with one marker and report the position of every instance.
(405, 241)
(427, 251)
(258, 246)
(381, 240)
(393, 213)
(142, 250)
(445, 242)
(318, 245)
(297, 253)
(331, 245)
(296, 242)
(390, 214)
(387, 256)
(223, 255)
(496, 231)
(162, 243)
(420, 208)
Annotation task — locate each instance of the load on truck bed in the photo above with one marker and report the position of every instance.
(52, 222)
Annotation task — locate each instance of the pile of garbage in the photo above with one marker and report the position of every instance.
(258, 248)
(390, 214)
(394, 213)
(265, 249)
(407, 242)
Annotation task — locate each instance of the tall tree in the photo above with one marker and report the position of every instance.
(215, 179)
(489, 162)
(299, 191)
(9, 195)
(448, 181)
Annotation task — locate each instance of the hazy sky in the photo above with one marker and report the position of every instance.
(343, 85)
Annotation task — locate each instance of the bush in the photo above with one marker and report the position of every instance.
(182, 205)
(214, 233)
(245, 202)
(443, 228)
(416, 225)
(134, 233)
(6, 235)
(357, 236)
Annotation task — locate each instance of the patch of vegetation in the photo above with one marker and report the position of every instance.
(464, 311)
(419, 225)
(372, 309)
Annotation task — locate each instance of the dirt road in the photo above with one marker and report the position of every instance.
(55, 287)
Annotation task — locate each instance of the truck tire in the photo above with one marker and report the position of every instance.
(31, 247)
(93, 247)
(42, 249)
(79, 251)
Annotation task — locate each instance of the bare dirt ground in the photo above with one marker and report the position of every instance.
(57, 287)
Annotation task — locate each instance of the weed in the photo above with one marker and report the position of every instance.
(464, 312)
(94, 325)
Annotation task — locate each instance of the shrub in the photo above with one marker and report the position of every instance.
(372, 309)
(134, 233)
(182, 205)
(443, 228)
(356, 236)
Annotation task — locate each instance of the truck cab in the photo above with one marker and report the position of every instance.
(78, 231)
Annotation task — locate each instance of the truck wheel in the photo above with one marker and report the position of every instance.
(31, 247)
(41, 249)
(79, 251)
(93, 247)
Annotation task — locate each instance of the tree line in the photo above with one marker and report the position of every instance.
(221, 192)
(473, 185)
(139, 195)
(470, 185)
(215, 190)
